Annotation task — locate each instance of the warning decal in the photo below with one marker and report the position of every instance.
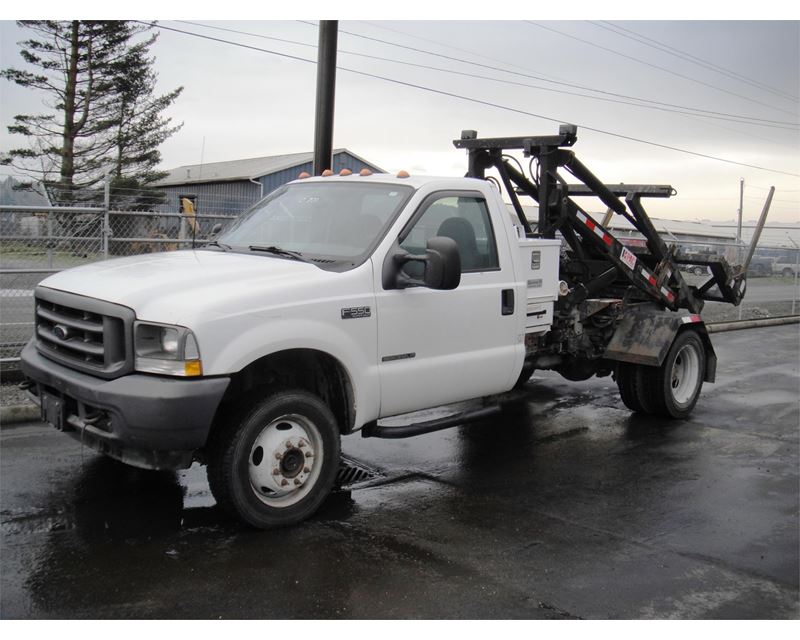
(627, 257)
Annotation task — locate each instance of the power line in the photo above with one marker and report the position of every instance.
(661, 46)
(544, 79)
(660, 68)
(504, 81)
(473, 100)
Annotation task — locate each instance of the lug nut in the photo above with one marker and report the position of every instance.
(288, 444)
(309, 454)
(301, 444)
(306, 470)
(278, 456)
(297, 482)
(284, 482)
(276, 472)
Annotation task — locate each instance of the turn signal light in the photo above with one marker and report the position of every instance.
(193, 368)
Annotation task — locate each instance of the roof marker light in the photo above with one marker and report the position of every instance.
(303, 175)
(402, 174)
(327, 173)
(345, 172)
(365, 172)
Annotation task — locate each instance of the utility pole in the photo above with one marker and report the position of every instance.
(326, 88)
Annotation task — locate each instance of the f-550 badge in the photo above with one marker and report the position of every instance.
(351, 313)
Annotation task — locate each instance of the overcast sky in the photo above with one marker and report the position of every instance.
(241, 103)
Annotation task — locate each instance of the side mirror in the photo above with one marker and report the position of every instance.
(441, 262)
(216, 228)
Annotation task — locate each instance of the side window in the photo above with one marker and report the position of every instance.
(465, 219)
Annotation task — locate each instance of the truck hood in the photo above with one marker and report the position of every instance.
(164, 286)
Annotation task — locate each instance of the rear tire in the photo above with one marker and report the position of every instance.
(275, 461)
(673, 388)
(631, 387)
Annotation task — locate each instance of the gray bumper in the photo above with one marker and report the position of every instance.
(148, 421)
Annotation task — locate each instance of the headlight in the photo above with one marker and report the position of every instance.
(166, 349)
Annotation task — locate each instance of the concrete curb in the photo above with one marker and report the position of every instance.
(19, 413)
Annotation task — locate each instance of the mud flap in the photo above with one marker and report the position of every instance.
(646, 333)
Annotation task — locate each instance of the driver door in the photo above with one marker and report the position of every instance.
(437, 347)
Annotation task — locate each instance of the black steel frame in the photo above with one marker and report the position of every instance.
(558, 212)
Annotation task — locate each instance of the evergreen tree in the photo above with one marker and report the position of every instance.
(104, 116)
(139, 126)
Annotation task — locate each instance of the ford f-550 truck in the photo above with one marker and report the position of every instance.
(337, 301)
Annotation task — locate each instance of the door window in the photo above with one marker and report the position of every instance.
(465, 219)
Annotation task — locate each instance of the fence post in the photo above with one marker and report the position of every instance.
(106, 217)
(49, 239)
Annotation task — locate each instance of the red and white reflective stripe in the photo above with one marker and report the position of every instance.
(597, 230)
(649, 276)
(667, 294)
(691, 319)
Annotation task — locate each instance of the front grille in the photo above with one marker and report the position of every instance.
(83, 333)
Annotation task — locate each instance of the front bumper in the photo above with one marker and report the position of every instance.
(148, 421)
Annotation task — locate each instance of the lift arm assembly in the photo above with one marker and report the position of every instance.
(597, 257)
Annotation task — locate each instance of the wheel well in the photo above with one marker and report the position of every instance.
(313, 371)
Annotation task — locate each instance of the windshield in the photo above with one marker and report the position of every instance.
(328, 220)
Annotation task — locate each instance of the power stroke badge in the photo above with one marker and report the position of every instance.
(352, 313)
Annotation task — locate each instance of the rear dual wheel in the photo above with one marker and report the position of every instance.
(673, 388)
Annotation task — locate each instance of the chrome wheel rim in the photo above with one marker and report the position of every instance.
(285, 460)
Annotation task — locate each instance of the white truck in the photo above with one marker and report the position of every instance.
(338, 301)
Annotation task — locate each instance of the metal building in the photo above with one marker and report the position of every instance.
(229, 188)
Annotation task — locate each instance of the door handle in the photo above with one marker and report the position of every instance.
(507, 302)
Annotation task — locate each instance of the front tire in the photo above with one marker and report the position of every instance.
(275, 461)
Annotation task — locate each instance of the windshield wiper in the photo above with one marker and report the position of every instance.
(295, 255)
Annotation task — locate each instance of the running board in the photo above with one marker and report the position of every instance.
(374, 430)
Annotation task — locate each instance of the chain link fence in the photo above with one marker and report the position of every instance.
(36, 241)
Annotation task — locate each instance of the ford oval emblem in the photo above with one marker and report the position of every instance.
(61, 332)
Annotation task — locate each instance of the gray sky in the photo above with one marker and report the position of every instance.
(241, 103)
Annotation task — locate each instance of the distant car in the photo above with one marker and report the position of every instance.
(697, 269)
(760, 267)
(785, 266)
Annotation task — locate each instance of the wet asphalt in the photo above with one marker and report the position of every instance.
(568, 506)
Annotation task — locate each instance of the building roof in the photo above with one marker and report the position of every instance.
(248, 169)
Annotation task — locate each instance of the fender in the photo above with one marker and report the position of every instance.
(646, 333)
(295, 333)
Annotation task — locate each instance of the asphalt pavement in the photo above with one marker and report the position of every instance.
(568, 506)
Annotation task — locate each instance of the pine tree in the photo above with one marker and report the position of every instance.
(139, 125)
(104, 117)
(67, 146)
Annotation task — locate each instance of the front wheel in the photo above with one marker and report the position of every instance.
(673, 388)
(787, 272)
(275, 461)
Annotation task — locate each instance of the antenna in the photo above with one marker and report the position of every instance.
(202, 153)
